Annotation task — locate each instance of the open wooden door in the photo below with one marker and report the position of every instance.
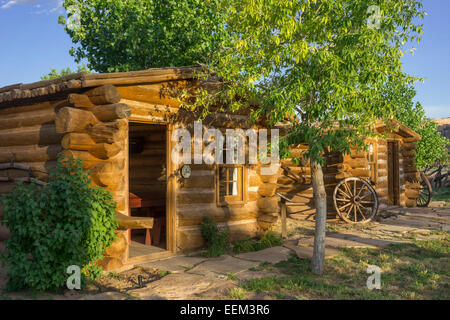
(393, 173)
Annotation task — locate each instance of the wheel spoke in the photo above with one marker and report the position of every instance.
(340, 199)
(344, 193)
(345, 206)
(362, 214)
(348, 189)
(366, 195)
(360, 190)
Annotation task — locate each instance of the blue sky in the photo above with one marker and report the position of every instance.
(32, 43)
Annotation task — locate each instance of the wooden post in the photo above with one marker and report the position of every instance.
(283, 215)
(283, 219)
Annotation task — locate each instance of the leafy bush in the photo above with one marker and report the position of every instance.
(216, 240)
(247, 244)
(67, 222)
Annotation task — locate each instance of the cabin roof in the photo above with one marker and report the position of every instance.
(82, 80)
(394, 126)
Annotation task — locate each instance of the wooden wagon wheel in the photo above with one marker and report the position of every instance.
(426, 191)
(355, 200)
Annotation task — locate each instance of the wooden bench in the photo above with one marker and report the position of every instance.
(130, 223)
(154, 232)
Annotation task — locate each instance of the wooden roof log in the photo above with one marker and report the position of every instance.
(81, 80)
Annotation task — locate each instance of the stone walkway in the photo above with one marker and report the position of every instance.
(195, 277)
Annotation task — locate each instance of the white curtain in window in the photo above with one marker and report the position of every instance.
(235, 186)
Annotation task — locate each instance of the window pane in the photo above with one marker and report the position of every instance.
(222, 181)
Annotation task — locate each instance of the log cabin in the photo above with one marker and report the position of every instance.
(121, 126)
(388, 164)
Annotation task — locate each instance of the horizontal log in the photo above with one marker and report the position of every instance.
(108, 132)
(412, 193)
(147, 172)
(74, 120)
(80, 101)
(150, 93)
(84, 142)
(29, 118)
(410, 153)
(411, 203)
(89, 160)
(111, 111)
(77, 141)
(267, 189)
(191, 197)
(412, 176)
(356, 162)
(343, 167)
(32, 153)
(106, 94)
(35, 135)
(268, 204)
(408, 146)
(194, 181)
(360, 172)
(148, 160)
(343, 175)
(190, 215)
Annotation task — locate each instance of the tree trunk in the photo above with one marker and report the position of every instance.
(320, 202)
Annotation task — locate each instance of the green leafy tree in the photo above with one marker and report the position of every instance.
(67, 222)
(64, 72)
(324, 62)
(432, 147)
(124, 35)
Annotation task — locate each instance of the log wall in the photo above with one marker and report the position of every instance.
(342, 166)
(89, 125)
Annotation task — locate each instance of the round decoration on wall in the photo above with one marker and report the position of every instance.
(186, 171)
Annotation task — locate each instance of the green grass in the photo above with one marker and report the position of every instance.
(237, 293)
(420, 270)
(442, 194)
(247, 244)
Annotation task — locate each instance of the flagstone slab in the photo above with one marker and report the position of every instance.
(272, 255)
(105, 296)
(181, 286)
(223, 265)
(175, 264)
(307, 252)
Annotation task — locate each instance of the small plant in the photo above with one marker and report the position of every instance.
(232, 276)
(67, 222)
(237, 293)
(247, 244)
(216, 240)
(163, 273)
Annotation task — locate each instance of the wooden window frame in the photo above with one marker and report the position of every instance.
(375, 160)
(241, 198)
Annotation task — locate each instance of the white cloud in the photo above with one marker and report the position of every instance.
(11, 3)
(42, 6)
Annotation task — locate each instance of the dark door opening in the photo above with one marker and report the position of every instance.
(147, 186)
(393, 173)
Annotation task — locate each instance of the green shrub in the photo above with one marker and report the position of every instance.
(216, 240)
(67, 222)
(247, 244)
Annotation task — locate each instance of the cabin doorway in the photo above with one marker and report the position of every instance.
(148, 189)
(393, 173)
